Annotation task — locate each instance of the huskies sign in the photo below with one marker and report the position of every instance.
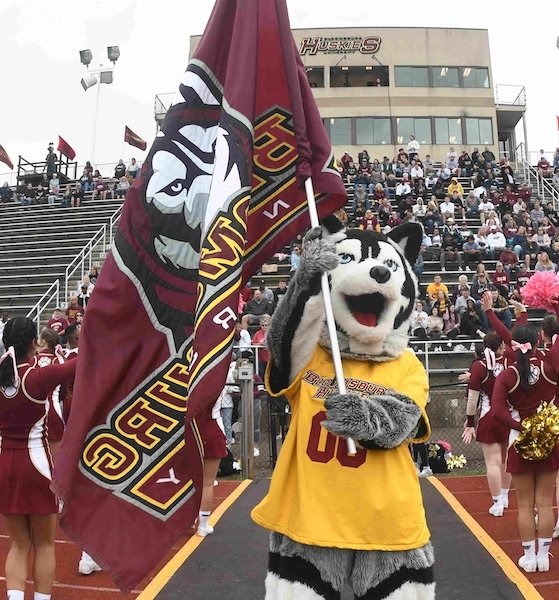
(340, 45)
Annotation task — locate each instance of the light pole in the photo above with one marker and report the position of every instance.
(97, 77)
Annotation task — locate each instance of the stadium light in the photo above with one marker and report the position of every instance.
(113, 53)
(86, 57)
(88, 81)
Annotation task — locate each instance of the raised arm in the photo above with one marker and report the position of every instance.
(39, 382)
(499, 403)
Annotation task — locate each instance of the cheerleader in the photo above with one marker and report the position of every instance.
(212, 433)
(521, 388)
(492, 436)
(51, 354)
(26, 501)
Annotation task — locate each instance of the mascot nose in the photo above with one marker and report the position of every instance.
(380, 274)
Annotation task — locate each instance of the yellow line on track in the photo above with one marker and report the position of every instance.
(507, 565)
(165, 574)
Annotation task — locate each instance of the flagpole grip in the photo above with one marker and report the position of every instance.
(330, 322)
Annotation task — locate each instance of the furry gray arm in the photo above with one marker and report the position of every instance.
(376, 421)
(297, 321)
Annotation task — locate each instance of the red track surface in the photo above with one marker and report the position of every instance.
(473, 494)
(70, 585)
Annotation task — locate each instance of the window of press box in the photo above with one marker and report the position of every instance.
(411, 76)
(448, 130)
(479, 131)
(420, 128)
(315, 76)
(340, 131)
(372, 131)
(360, 76)
(445, 77)
(475, 77)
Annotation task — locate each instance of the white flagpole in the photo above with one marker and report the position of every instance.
(330, 322)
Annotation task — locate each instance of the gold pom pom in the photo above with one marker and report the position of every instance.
(455, 462)
(540, 433)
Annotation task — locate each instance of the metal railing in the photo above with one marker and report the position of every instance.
(51, 296)
(113, 224)
(84, 260)
(543, 187)
(510, 95)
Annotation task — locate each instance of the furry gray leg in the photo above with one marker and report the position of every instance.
(300, 572)
(404, 575)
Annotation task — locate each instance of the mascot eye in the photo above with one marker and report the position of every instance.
(345, 258)
(174, 188)
(391, 264)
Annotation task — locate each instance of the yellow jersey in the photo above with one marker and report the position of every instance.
(321, 496)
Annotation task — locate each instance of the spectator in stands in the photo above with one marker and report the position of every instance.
(434, 287)
(58, 322)
(437, 241)
(54, 188)
(363, 156)
(472, 206)
(416, 171)
(83, 297)
(543, 166)
(435, 324)
(476, 157)
(405, 205)
(507, 175)
(462, 282)
(480, 285)
(266, 292)
(451, 251)
(359, 213)
(394, 220)
(556, 158)
(280, 291)
(509, 259)
(120, 169)
(443, 176)
(50, 161)
(441, 302)
(419, 264)
(544, 263)
(342, 216)
(66, 197)
(346, 159)
(519, 206)
(552, 214)
(413, 148)
(419, 209)
(472, 251)
(479, 270)
(451, 323)
(369, 222)
(542, 239)
(40, 195)
(489, 158)
(259, 339)
(28, 196)
(86, 281)
(350, 173)
(447, 209)
(456, 186)
(531, 252)
(537, 213)
(6, 193)
(93, 274)
(501, 308)
(403, 189)
(77, 196)
(433, 217)
(548, 227)
(86, 181)
(555, 179)
(122, 187)
(133, 169)
(461, 303)
(522, 278)
(510, 227)
(256, 308)
(241, 339)
(379, 194)
(418, 321)
(464, 164)
(73, 309)
(360, 196)
(496, 242)
(471, 321)
(501, 279)
(295, 259)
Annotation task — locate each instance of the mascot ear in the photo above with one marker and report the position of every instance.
(408, 237)
(334, 227)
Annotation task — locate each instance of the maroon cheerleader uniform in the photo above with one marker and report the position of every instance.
(55, 420)
(511, 403)
(213, 436)
(69, 389)
(25, 461)
(482, 380)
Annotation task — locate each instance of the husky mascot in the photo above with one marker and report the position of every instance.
(341, 520)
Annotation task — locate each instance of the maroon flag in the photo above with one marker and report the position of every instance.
(65, 148)
(218, 194)
(133, 139)
(5, 158)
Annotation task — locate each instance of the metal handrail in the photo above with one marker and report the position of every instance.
(113, 222)
(85, 255)
(43, 302)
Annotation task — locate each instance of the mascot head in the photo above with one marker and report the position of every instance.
(373, 289)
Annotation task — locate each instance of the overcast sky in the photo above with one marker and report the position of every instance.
(39, 57)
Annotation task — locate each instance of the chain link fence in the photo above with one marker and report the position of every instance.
(444, 361)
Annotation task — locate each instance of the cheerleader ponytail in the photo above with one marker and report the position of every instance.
(524, 340)
(492, 342)
(19, 333)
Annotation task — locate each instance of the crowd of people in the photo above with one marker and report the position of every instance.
(51, 191)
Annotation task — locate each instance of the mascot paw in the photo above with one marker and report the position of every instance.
(319, 254)
(347, 415)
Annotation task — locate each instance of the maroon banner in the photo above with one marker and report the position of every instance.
(218, 194)
(134, 139)
(65, 148)
(5, 158)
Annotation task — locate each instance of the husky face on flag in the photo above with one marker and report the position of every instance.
(194, 171)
